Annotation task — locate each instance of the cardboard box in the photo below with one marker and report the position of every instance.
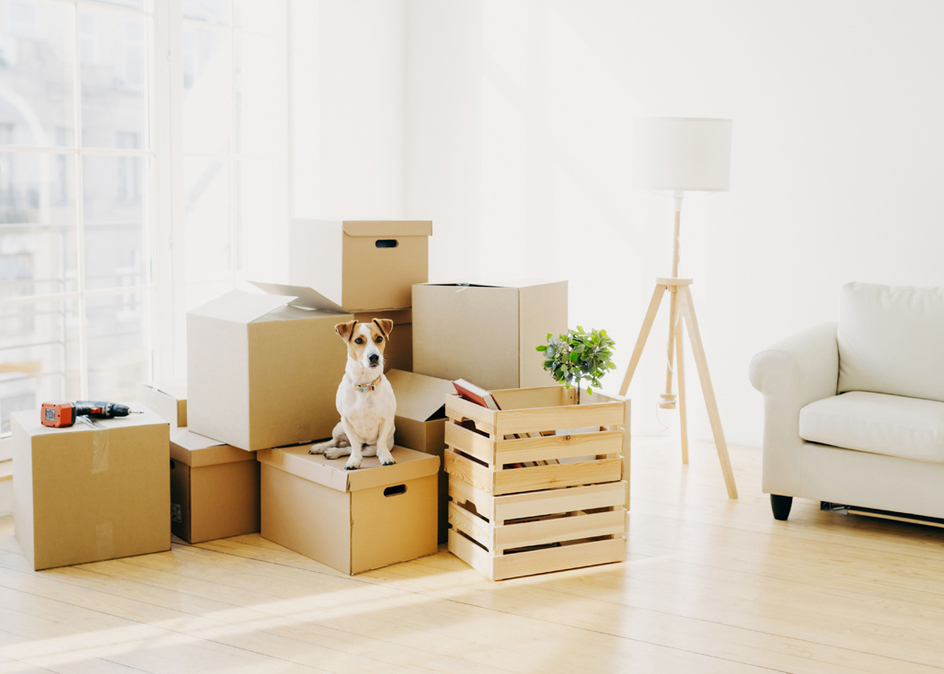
(420, 425)
(363, 265)
(214, 488)
(350, 520)
(264, 368)
(486, 333)
(168, 399)
(92, 491)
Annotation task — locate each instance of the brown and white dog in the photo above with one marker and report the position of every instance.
(365, 398)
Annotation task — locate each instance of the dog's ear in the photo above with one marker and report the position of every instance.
(385, 325)
(345, 330)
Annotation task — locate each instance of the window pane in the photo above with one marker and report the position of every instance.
(261, 95)
(116, 248)
(261, 16)
(208, 219)
(210, 11)
(146, 5)
(39, 356)
(119, 344)
(113, 50)
(37, 224)
(208, 90)
(36, 61)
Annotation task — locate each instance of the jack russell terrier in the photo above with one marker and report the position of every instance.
(365, 398)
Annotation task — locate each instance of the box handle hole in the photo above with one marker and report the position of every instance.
(172, 464)
(386, 243)
(395, 490)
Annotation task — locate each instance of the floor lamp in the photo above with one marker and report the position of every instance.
(682, 155)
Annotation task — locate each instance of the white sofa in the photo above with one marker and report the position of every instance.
(854, 411)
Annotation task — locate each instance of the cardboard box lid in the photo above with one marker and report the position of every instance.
(302, 297)
(175, 388)
(419, 397)
(331, 473)
(197, 450)
(30, 422)
(239, 306)
(384, 228)
(495, 283)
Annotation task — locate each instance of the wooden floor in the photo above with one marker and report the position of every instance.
(710, 585)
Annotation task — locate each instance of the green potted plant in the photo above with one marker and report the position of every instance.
(577, 355)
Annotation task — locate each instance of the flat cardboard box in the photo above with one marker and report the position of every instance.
(350, 520)
(364, 265)
(167, 398)
(214, 488)
(264, 368)
(486, 333)
(93, 491)
(420, 424)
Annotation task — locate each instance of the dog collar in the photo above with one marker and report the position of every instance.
(369, 386)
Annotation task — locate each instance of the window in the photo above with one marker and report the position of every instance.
(89, 282)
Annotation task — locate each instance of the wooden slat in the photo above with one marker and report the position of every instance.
(458, 409)
(467, 471)
(550, 477)
(474, 527)
(464, 493)
(559, 530)
(558, 447)
(535, 504)
(556, 559)
(529, 398)
(470, 442)
(557, 418)
(471, 554)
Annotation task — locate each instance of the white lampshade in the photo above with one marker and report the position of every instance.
(682, 153)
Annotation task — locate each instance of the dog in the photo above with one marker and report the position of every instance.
(365, 398)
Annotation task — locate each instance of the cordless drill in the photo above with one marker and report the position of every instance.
(61, 415)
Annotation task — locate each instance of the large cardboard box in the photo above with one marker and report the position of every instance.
(420, 425)
(486, 333)
(363, 265)
(167, 398)
(214, 488)
(264, 368)
(92, 491)
(350, 520)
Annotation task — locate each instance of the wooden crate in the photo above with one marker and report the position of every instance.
(539, 485)
(537, 532)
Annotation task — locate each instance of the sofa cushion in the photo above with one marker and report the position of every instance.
(891, 340)
(909, 428)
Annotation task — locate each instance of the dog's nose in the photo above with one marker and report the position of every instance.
(374, 358)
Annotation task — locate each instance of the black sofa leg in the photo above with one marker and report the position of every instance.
(781, 506)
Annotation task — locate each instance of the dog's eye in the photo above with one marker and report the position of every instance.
(379, 340)
(359, 340)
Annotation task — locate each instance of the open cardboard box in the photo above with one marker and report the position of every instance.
(350, 520)
(363, 265)
(486, 333)
(214, 488)
(420, 425)
(93, 491)
(166, 398)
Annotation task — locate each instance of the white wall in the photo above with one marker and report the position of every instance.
(348, 110)
(518, 148)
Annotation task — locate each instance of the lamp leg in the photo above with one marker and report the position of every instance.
(643, 336)
(701, 363)
(668, 398)
(680, 370)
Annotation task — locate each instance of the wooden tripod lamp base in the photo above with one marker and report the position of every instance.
(682, 312)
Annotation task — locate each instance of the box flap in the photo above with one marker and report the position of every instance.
(306, 298)
(240, 306)
(197, 450)
(385, 228)
(418, 397)
(496, 282)
(331, 473)
(175, 388)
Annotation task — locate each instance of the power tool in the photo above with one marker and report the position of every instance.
(63, 414)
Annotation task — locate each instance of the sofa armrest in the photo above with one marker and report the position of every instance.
(791, 374)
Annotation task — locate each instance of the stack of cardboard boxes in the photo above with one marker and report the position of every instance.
(263, 371)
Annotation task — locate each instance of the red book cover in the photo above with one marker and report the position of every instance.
(475, 394)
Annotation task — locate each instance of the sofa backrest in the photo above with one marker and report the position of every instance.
(891, 340)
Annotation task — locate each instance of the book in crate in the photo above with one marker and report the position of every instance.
(538, 485)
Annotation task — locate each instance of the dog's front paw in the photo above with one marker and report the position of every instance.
(387, 462)
(352, 464)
